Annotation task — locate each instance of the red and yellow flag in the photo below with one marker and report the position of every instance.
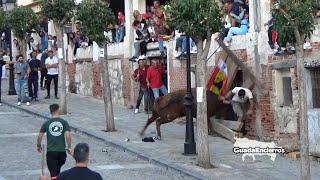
(218, 81)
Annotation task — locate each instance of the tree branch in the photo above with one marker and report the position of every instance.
(63, 21)
(207, 46)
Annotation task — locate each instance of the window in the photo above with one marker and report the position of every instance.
(315, 82)
(283, 87)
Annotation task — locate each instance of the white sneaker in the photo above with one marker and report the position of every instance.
(136, 111)
(28, 104)
(0, 104)
(307, 45)
(193, 51)
(19, 103)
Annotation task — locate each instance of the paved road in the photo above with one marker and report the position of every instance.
(20, 160)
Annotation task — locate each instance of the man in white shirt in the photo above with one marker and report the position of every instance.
(34, 45)
(239, 101)
(52, 64)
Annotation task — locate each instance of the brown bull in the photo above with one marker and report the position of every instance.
(171, 106)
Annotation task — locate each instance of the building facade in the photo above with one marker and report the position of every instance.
(276, 115)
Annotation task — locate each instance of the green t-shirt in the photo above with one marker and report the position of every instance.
(55, 129)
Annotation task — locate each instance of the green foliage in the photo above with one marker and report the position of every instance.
(195, 17)
(57, 10)
(21, 20)
(94, 16)
(302, 12)
(3, 20)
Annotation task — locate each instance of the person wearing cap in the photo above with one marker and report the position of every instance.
(140, 75)
(154, 78)
(240, 97)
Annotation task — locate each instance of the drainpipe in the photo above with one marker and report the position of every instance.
(255, 28)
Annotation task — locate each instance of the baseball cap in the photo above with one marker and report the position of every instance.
(142, 57)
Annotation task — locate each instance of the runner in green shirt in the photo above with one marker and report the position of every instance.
(58, 132)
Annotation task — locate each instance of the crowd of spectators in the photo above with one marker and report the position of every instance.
(236, 16)
(150, 27)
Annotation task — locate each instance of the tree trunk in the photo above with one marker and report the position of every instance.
(23, 49)
(62, 71)
(304, 140)
(107, 92)
(202, 119)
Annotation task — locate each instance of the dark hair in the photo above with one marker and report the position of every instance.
(241, 92)
(32, 52)
(81, 152)
(20, 56)
(54, 108)
(50, 51)
(136, 22)
(229, 1)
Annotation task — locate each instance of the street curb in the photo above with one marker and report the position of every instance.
(130, 150)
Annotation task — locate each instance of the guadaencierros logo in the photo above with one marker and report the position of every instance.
(248, 147)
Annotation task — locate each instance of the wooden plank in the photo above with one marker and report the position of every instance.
(224, 131)
(232, 69)
(233, 125)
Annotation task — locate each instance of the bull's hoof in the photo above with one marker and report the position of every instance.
(141, 133)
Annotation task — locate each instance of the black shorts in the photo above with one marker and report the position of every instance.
(55, 160)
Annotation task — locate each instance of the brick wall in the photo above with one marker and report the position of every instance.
(71, 70)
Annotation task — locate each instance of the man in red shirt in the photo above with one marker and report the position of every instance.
(154, 78)
(140, 75)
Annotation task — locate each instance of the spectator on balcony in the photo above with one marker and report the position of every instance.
(233, 8)
(44, 39)
(110, 33)
(17, 46)
(142, 35)
(44, 70)
(53, 43)
(120, 27)
(243, 29)
(161, 31)
(151, 30)
(271, 33)
(34, 45)
(157, 10)
(154, 78)
(137, 17)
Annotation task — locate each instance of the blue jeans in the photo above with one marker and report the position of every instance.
(155, 91)
(236, 31)
(184, 44)
(160, 43)
(120, 34)
(22, 84)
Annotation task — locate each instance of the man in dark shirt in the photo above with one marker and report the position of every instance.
(34, 64)
(140, 75)
(81, 170)
(44, 70)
